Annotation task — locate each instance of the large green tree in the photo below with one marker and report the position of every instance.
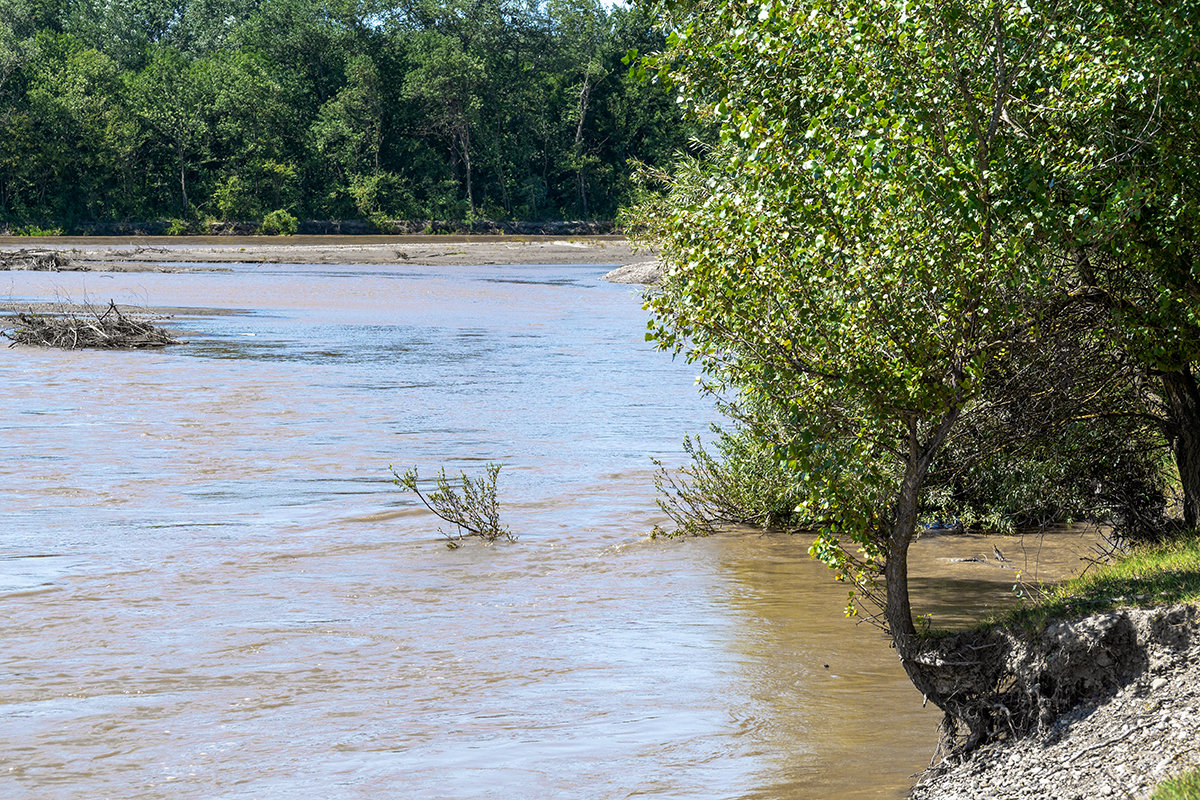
(1129, 219)
(174, 100)
(886, 224)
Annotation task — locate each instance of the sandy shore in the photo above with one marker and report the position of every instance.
(120, 254)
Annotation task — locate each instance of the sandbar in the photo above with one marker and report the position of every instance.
(183, 253)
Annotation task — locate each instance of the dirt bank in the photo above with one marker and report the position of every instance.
(183, 253)
(1120, 742)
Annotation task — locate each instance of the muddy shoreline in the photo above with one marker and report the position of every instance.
(184, 253)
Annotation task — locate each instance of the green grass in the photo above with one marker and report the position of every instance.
(1145, 576)
(1184, 787)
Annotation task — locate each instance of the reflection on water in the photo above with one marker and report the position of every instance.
(213, 589)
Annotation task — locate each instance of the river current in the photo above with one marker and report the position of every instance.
(213, 589)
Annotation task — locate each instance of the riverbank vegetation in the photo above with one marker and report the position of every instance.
(941, 262)
(1166, 573)
(347, 110)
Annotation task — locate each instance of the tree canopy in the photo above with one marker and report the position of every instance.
(228, 109)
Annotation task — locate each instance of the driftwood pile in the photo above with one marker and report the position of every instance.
(88, 327)
(46, 260)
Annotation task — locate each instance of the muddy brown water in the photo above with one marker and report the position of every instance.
(211, 588)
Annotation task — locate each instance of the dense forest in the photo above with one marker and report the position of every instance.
(327, 109)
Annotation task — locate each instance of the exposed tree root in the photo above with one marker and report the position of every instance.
(999, 684)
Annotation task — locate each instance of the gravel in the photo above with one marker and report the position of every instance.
(1120, 746)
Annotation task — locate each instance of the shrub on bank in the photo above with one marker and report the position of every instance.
(279, 223)
(37, 230)
(742, 481)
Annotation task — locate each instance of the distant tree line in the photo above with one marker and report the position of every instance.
(328, 109)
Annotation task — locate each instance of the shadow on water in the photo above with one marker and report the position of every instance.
(825, 698)
(960, 602)
(816, 684)
(527, 282)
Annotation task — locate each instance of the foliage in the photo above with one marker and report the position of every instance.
(847, 258)
(1124, 204)
(1182, 787)
(234, 198)
(1143, 576)
(1083, 472)
(742, 483)
(1051, 441)
(36, 230)
(177, 226)
(231, 108)
(898, 219)
(472, 507)
(279, 223)
(380, 197)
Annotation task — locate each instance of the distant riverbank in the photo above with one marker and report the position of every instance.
(170, 253)
(328, 227)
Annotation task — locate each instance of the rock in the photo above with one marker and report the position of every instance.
(646, 273)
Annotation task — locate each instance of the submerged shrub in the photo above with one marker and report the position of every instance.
(472, 507)
(744, 482)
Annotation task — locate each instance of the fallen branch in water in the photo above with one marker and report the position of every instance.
(73, 329)
(45, 260)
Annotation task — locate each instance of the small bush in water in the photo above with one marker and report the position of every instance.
(279, 223)
(471, 508)
(742, 482)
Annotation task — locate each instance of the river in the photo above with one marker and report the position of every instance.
(212, 588)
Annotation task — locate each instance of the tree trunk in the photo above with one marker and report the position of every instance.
(898, 610)
(584, 96)
(1182, 398)
(925, 667)
(465, 142)
(182, 178)
(927, 674)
